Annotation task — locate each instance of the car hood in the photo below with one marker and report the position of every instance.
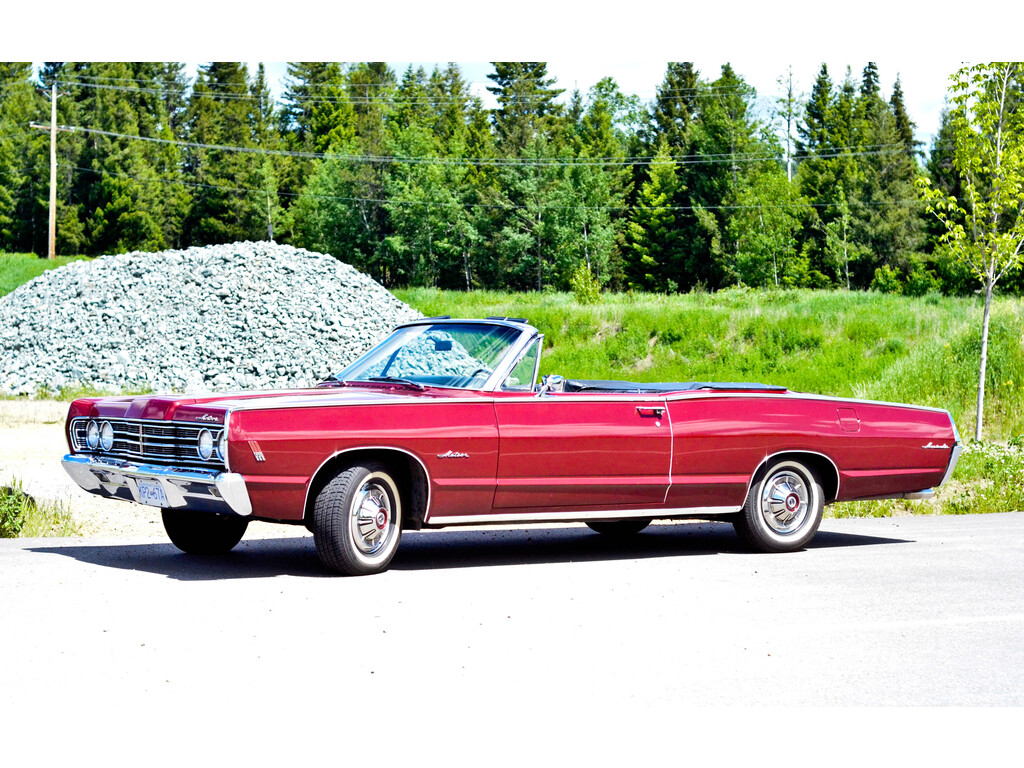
(212, 408)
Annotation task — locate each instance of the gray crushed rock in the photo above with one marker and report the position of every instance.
(213, 318)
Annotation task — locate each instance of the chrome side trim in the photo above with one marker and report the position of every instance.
(928, 493)
(191, 489)
(575, 517)
(426, 474)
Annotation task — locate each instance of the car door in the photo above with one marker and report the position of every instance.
(582, 451)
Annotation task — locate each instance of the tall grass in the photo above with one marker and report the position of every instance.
(849, 344)
(22, 515)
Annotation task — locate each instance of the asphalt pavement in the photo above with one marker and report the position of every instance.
(518, 630)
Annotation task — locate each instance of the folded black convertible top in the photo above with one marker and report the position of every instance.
(632, 387)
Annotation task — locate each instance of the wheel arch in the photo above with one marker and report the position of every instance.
(821, 464)
(409, 470)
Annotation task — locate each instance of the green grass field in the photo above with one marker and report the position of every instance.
(19, 268)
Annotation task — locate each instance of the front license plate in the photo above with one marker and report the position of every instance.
(152, 493)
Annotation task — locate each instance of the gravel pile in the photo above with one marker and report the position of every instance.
(220, 317)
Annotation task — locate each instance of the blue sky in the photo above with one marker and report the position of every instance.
(924, 44)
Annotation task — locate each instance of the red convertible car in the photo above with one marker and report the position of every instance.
(444, 423)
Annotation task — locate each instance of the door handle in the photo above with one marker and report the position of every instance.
(650, 410)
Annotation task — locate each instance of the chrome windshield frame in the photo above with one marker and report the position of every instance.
(512, 355)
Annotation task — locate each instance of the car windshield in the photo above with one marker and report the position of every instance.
(461, 355)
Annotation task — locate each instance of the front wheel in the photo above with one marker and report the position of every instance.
(783, 510)
(357, 520)
(203, 533)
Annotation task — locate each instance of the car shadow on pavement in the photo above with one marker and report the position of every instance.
(251, 559)
(428, 550)
(465, 548)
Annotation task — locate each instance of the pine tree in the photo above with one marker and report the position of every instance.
(527, 107)
(828, 139)
(676, 104)
(317, 108)
(220, 114)
(726, 132)
(904, 125)
(814, 132)
(869, 87)
(22, 158)
(652, 257)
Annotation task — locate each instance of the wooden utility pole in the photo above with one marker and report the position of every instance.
(52, 238)
(53, 172)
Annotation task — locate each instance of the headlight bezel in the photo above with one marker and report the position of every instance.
(92, 435)
(106, 440)
(205, 444)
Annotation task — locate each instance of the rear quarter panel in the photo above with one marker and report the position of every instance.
(877, 448)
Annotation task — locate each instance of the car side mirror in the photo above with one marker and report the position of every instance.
(551, 383)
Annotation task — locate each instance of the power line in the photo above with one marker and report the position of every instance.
(497, 161)
(499, 206)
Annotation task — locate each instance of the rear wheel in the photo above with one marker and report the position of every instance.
(357, 520)
(618, 527)
(203, 533)
(783, 510)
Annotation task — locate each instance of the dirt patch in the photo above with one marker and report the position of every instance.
(32, 444)
(606, 330)
(645, 364)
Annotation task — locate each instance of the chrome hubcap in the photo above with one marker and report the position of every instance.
(371, 518)
(784, 502)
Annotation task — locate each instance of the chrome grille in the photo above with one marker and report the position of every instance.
(166, 443)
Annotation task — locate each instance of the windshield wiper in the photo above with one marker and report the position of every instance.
(396, 380)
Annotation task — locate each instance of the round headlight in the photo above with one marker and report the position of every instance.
(222, 446)
(106, 436)
(92, 435)
(205, 445)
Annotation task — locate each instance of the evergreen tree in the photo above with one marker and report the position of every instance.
(726, 133)
(869, 87)
(433, 235)
(887, 223)
(317, 108)
(676, 104)
(220, 114)
(527, 109)
(904, 125)
(828, 140)
(23, 153)
(652, 242)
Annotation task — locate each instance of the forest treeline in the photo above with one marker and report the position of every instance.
(412, 180)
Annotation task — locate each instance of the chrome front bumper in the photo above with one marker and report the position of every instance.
(223, 492)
